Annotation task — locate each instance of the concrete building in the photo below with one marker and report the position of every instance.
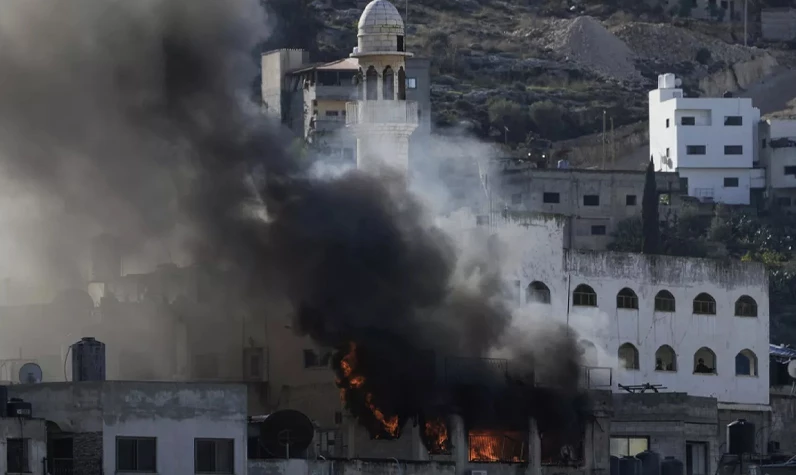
(594, 201)
(778, 24)
(711, 142)
(778, 156)
(23, 445)
(120, 427)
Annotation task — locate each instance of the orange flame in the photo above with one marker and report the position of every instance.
(348, 365)
(437, 436)
(495, 446)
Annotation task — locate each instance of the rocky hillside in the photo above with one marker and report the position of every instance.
(545, 70)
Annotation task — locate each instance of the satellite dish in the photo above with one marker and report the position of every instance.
(792, 368)
(286, 432)
(30, 373)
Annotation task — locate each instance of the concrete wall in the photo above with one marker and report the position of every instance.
(349, 467)
(781, 426)
(174, 413)
(34, 431)
(778, 24)
(524, 190)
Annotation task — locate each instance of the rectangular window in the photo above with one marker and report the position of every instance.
(591, 200)
(411, 83)
(762, 143)
(695, 150)
(628, 446)
(253, 363)
(733, 120)
(136, 454)
(667, 152)
(332, 113)
(400, 43)
(551, 198)
(598, 230)
(630, 200)
(17, 456)
(730, 182)
(733, 150)
(317, 359)
(783, 201)
(214, 455)
(667, 123)
(516, 198)
(790, 170)
(688, 121)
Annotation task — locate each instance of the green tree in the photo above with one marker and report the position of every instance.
(504, 114)
(649, 213)
(626, 236)
(548, 118)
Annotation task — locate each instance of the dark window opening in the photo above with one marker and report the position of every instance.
(704, 304)
(17, 456)
(630, 200)
(563, 447)
(664, 301)
(790, 170)
(733, 120)
(745, 306)
(214, 456)
(537, 292)
(733, 150)
(136, 454)
(626, 298)
(783, 201)
(667, 123)
(371, 84)
(401, 84)
(763, 143)
(731, 182)
(584, 296)
(695, 150)
(388, 84)
(598, 230)
(688, 121)
(591, 200)
(628, 356)
(317, 359)
(401, 46)
(551, 198)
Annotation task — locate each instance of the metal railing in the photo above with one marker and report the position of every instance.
(381, 112)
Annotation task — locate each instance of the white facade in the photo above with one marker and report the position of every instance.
(711, 142)
(778, 138)
(382, 119)
(540, 249)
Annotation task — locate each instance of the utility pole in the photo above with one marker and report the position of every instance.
(613, 145)
(745, 35)
(604, 151)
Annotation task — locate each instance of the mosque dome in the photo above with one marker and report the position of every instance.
(381, 17)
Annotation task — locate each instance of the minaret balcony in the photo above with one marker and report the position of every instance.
(381, 112)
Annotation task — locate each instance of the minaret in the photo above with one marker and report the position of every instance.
(382, 119)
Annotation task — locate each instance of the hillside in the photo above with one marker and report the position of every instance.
(543, 69)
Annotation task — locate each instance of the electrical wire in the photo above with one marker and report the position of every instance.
(66, 358)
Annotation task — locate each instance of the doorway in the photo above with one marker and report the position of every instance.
(696, 458)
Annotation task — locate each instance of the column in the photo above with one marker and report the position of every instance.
(458, 437)
(534, 449)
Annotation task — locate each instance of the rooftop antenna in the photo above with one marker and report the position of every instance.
(30, 373)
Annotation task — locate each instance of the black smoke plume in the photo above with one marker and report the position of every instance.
(135, 117)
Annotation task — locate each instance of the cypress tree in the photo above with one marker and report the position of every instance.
(649, 213)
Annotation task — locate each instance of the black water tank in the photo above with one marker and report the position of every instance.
(671, 466)
(614, 465)
(629, 466)
(88, 360)
(3, 401)
(18, 408)
(650, 462)
(740, 437)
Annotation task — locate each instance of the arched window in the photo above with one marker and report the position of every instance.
(704, 361)
(665, 359)
(359, 82)
(704, 304)
(584, 296)
(388, 81)
(401, 84)
(371, 84)
(628, 356)
(664, 301)
(589, 353)
(537, 292)
(746, 363)
(745, 306)
(626, 298)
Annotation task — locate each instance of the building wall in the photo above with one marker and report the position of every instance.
(274, 66)
(783, 412)
(35, 431)
(525, 189)
(174, 413)
(778, 24)
(538, 247)
(349, 467)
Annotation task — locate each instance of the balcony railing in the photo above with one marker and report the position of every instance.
(381, 112)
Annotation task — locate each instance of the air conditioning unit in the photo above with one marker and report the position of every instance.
(477, 472)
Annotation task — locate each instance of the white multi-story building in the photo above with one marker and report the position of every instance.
(695, 326)
(711, 142)
(778, 156)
